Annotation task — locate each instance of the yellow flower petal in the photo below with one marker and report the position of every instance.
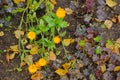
(60, 13)
(42, 62)
(32, 68)
(57, 39)
(31, 35)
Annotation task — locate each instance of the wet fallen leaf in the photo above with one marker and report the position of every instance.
(53, 2)
(61, 72)
(52, 56)
(14, 48)
(37, 76)
(68, 11)
(66, 66)
(103, 68)
(1, 33)
(108, 23)
(18, 33)
(117, 68)
(67, 42)
(111, 3)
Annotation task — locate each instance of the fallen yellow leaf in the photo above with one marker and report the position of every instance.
(67, 42)
(108, 23)
(14, 48)
(1, 33)
(111, 3)
(66, 66)
(61, 72)
(52, 56)
(103, 68)
(34, 50)
(117, 68)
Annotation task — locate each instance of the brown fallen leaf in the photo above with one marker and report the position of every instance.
(118, 18)
(37, 76)
(52, 56)
(18, 33)
(7, 57)
(1, 33)
(29, 59)
(68, 11)
(108, 23)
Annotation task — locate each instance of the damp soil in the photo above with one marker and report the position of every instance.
(8, 71)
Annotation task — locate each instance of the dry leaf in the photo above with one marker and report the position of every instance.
(67, 42)
(52, 56)
(117, 68)
(108, 23)
(1, 33)
(29, 46)
(66, 66)
(7, 57)
(37, 76)
(61, 72)
(68, 11)
(114, 19)
(14, 48)
(119, 19)
(29, 59)
(111, 3)
(103, 68)
(12, 56)
(118, 41)
(18, 33)
(53, 2)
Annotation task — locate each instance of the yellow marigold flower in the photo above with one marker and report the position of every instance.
(56, 39)
(60, 13)
(31, 35)
(32, 68)
(42, 62)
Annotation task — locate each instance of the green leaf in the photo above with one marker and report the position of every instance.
(109, 42)
(97, 50)
(98, 38)
(18, 10)
(82, 43)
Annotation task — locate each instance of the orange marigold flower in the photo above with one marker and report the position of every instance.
(56, 39)
(60, 13)
(42, 62)
(32, 68)
(31, 35)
